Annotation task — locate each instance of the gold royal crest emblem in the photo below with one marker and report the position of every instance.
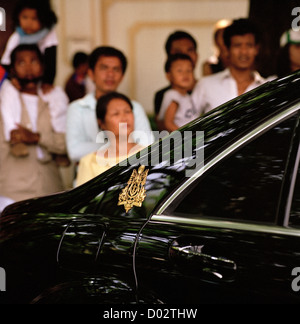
(134, 193)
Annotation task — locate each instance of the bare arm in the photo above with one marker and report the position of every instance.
(169, 117)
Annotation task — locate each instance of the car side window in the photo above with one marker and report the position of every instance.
(295, 208)
(245, 186)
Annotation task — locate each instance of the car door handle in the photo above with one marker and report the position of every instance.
(220, 268)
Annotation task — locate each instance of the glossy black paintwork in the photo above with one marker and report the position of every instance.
(80, 247)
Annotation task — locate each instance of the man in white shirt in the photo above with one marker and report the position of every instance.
(242, 42)
(107, 67)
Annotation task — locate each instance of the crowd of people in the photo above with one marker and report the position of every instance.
(90, 124)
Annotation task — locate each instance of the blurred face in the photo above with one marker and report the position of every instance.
(29, 21)
(118, 111)
(243, 51)
(107, 75)
(28, 69)
(181, 75)
(82, 70)
(222, 49)
(184, 46)
(295, 56)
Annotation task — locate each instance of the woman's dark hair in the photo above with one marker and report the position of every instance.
(104, 101)
(240, 27)
(25, 47)
(107, 52)
(46, 15)
(176, 57)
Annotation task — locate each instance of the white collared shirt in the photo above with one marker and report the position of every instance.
(216, 89)
(82, 128)
(11, 108)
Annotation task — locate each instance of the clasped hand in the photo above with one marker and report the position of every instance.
(23, 135)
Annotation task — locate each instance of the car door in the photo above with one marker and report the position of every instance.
(221, 238)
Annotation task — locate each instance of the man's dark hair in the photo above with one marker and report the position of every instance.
(240, 27)
(104, 101)
(107, 52)
(25, 47)
(46, 15)
(176, 36)
(176, 57)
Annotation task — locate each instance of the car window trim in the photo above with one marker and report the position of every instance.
(225, 224)
(232, 148)
(292, 189)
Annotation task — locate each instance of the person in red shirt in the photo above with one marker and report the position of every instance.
(3, 75)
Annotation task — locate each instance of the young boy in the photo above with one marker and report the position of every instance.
(177, 107)
(178, 42)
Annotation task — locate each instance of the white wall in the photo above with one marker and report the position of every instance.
(139, 28)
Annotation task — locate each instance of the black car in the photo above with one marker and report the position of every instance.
(209, 214)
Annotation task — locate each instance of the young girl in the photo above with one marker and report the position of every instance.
(177, 108)
(115, 117)
(35, 24)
